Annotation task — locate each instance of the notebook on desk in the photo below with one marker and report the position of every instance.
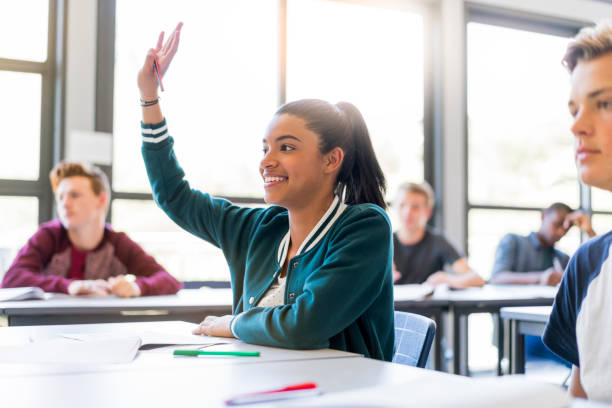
(25, 293)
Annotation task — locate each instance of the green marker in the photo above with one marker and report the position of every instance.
(215, 353)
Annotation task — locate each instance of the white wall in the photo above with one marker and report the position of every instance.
(81, 67)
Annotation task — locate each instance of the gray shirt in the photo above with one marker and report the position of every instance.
(517, 253)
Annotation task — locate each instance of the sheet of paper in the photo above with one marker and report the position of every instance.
(69, 351)
(9, 294)
(148, 338)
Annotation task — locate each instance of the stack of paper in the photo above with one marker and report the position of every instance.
(7, 294)
(118, 349)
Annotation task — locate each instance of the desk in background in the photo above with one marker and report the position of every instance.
(522, 321)
(190, 305)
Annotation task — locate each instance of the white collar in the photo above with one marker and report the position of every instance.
(316, 234)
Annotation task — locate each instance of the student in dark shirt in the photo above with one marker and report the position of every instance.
(420, 254)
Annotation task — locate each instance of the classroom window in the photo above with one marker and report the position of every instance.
(21, 96)
(602, 223)
(519, 140)
(601, 200)
(487, 227)
(372, 57)
(185, 256)
(227, 80)
(24, 29)
(221, 90)
(28, 82)
(19, 220)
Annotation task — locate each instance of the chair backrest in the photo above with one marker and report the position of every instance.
(413, 337)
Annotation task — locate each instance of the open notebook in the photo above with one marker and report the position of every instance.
(8, 294)
(92, 348)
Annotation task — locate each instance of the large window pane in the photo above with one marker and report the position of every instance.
(602, 223)
(487, 227)
(372, 57)
(20, 101)
(601, 200)
(221, 90)
(24, 26)
(520, 145)
(185, 256)
(19, 220)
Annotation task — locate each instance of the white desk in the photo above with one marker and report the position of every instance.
(190, 305)
(155, 378)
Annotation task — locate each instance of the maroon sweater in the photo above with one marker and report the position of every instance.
(45, 259)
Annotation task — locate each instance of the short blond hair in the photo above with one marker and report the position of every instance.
(65, 169)
(589, 43)
(423, 189)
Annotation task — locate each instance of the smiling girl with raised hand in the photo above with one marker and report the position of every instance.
(313, 270)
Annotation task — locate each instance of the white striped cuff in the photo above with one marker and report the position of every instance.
(155, 133)
(233, 323)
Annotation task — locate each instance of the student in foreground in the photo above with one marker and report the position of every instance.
(420, 254)
(81, 255)
(313, 270)
(533, 259)
(579, 328)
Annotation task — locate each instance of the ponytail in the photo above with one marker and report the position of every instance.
(360, 179)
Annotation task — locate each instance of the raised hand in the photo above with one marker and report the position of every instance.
(147, 79)
(579, 219)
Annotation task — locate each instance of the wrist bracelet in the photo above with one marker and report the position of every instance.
(149, 103)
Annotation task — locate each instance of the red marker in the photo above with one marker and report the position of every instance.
(302, 390)
(156, 67)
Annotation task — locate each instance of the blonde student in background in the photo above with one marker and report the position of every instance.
(313, 270)
(580, 326)
(421, 254)
(79, 253)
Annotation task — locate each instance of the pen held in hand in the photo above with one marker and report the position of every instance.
(157, 73)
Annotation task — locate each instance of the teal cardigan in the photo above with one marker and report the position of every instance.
(339, 290)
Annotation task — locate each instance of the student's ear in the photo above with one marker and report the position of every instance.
(333, 160)
(429, 212)
(102, 199)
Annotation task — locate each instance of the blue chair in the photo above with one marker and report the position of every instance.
(414, 335)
